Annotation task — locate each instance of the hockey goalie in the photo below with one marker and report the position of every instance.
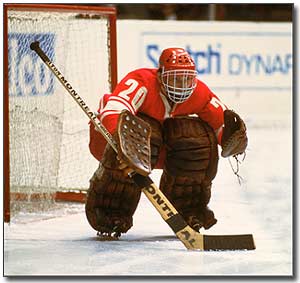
(188, 122)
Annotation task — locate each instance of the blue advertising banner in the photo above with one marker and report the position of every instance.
(28, 75)
(229, 59)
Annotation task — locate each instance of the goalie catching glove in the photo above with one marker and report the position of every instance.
(234, 139)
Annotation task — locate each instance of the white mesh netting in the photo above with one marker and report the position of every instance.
(48, 132)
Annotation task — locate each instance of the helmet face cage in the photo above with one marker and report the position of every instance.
(179, 84)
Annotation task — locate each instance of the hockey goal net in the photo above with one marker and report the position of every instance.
(46, 155)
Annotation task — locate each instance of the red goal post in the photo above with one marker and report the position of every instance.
(45, 135)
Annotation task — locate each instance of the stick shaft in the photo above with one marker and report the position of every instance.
(91, 115)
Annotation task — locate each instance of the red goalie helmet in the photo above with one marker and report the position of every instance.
(178, 74)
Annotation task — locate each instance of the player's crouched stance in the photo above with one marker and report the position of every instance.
(185, 147)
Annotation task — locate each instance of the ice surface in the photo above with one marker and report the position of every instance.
(51, 244)
(262, 205)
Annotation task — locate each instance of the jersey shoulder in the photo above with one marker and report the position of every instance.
(202, 92)
(202, 86)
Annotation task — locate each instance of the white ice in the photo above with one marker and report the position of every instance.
(262, 205)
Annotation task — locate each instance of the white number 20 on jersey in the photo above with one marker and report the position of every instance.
(138, 98)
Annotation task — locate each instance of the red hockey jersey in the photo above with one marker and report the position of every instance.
(139, 91)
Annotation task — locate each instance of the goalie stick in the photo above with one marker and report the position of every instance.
(190, 238)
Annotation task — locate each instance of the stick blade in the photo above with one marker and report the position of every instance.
(228, 242)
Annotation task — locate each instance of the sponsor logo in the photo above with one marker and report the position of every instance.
(81, 103)
(165, 207)
(70, 89)
(213, 60)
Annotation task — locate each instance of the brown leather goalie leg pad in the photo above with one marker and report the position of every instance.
(156, 139)
(190, 166)
(112, 198)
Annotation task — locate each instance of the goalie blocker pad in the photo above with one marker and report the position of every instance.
(133, 139)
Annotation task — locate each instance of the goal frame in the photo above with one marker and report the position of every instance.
(111, 14)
